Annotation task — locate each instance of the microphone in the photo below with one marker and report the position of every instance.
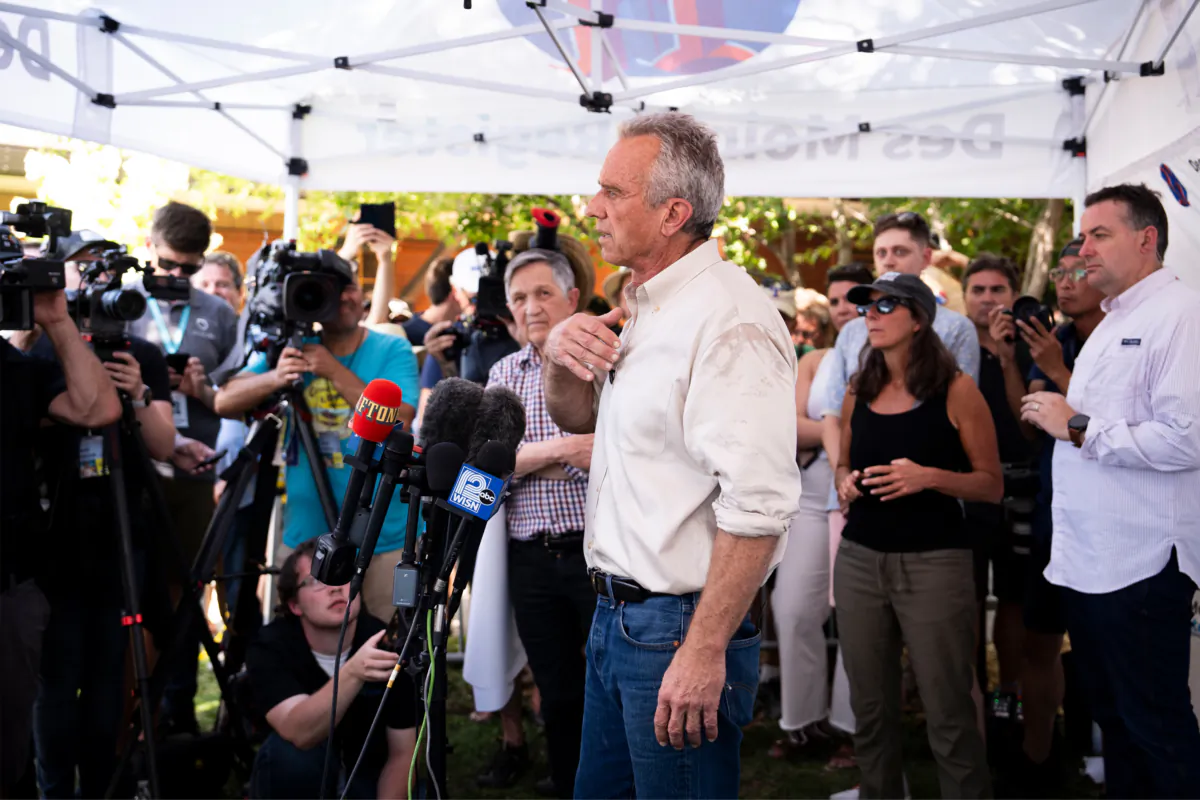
(450, 413)
(375, 415)
(397, 452)
(547, 229)
(442, 463)
(501, 417)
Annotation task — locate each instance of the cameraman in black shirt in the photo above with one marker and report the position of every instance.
(76, 391)
(81, 699)
(290, 666)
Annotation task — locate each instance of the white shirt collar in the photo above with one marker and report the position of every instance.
(1139, 293)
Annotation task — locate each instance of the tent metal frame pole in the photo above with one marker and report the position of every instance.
(45, 63)
(597, 75)
(451, 44)
(26, 11)
(228, 80)
(747, 69)
(730, 34)
(1017, 58)
(218, 44)
(1134, 28)
(1166, 47)
(209, 105)
(562, 51)
(622, 78)
(291, 207)
(170, 75)
(470, 83)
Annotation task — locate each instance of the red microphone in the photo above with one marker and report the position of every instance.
(375, 415)
(377, 411)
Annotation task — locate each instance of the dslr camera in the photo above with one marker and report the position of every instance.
(108, 298)
(290, 290)
(491, 303)
(20, 277)
(1026, 309)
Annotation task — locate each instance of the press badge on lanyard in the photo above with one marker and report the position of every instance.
(91, 457)
(171, 343)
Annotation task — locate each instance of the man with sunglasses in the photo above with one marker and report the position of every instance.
(204, 328)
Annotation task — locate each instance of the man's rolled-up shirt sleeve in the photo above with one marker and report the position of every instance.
(739, 423)
(1170, 441)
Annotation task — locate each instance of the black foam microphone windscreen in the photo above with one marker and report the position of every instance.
(501, 417)
(496, 458)
(450, 415)
(443, 460)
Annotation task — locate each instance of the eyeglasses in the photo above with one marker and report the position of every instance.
(884, 305)
(1076, 274)
(311, 582)
(183, 266)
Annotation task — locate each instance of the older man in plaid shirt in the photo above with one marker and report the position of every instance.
(547, 576)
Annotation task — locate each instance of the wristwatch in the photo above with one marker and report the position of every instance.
(147, 396)
(1077, 427)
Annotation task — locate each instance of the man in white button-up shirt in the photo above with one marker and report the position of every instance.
(693, 479)
(1126, 543)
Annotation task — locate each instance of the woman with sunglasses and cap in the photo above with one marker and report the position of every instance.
(917, 437)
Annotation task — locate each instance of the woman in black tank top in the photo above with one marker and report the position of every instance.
(917, 438)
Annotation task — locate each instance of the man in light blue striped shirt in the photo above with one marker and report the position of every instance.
(1126, 543)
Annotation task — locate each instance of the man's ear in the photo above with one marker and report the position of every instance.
(679, 211)
(294, 607)
(573, 298)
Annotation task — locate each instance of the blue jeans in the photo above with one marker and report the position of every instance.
(629, 649)
(1135, 643)
(285, 771)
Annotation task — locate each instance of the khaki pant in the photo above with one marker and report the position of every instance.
(377, 585)
(925, 601)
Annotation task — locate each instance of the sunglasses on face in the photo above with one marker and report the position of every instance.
(1077, 274)
(884, 305)
(183, 266)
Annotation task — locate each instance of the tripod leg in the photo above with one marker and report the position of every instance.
(133, 614)
(308, 440)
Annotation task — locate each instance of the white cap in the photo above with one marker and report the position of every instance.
(468, 266)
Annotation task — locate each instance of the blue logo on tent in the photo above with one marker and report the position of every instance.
(1174, 184)
(655, 55)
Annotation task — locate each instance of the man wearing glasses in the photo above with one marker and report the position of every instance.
(197, 337)
(290, 665)
(1054, 353)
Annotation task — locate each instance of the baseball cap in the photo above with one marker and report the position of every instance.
(1071, 248)
(783, 298)
(468, 266)
(896, 284)
(71, 246)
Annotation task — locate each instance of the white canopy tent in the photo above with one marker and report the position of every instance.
(851, 98)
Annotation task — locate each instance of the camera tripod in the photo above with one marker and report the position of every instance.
(256, 456)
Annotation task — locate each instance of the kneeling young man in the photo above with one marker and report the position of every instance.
(291, 671)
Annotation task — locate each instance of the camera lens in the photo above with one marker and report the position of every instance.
(310, 297)
(123, 304)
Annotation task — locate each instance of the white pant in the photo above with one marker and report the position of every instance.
(800, 603)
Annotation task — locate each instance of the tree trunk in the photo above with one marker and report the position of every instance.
(841, 226)
(1041, 248)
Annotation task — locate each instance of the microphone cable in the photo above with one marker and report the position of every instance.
(383, 702)
(337, 669)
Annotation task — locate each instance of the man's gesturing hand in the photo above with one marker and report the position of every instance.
(690, 695)
(583, 343)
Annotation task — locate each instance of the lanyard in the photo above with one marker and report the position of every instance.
(170, 343)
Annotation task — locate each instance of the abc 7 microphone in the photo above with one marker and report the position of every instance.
(375, 417)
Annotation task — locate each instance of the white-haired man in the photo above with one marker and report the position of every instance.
(693, 478)
(547, 577)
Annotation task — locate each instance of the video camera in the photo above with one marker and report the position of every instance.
(20, 277)
(491, 303)
(290, 290)
(107, 298)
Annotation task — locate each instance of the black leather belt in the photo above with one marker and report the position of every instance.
(624, 590)
(571, 541)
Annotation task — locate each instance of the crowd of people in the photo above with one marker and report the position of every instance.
(882, 463)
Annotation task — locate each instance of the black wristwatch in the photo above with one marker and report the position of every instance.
(1077, 427)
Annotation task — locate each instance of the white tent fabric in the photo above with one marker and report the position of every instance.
(1148, 130)
(810, 97)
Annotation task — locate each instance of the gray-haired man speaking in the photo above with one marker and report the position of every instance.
(693, 477)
